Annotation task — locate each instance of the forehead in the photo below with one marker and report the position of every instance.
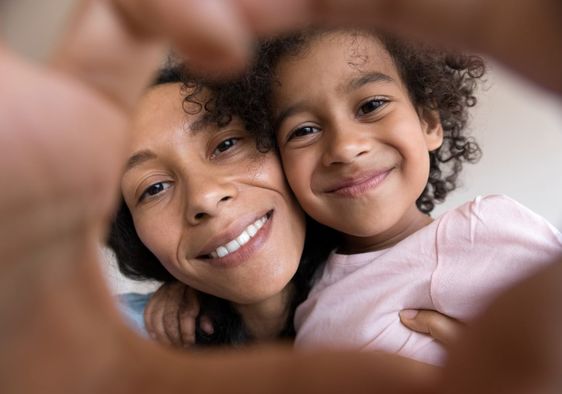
(163, 114)
(338, 55)
(159, 109)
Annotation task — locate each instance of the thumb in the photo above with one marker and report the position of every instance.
(442, 328)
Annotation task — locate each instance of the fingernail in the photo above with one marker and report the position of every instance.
(408, 313)
(207, 327)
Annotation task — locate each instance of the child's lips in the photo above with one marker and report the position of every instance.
(358, 184)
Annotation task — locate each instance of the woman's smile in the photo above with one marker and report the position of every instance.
(238, 249)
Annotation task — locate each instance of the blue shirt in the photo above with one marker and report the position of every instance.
(132, 307)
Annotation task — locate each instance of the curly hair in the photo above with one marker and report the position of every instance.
(137, 262)
(436, 80)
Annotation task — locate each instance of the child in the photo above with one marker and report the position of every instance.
(370, 130)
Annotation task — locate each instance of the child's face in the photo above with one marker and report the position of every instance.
(216, 212)
(354, 148)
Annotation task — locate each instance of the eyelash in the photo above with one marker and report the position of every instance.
(381, 103)
(294, 133)
(146, 194)
(217, 151)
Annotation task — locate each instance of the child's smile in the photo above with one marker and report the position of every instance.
(359, 184)
(354, 148)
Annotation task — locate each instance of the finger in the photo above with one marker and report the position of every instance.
(148, 314)
(269, 17)
(170, 317)
(441, 22)
(116, 46)
(444, 329)
(206, 325)
(188, 316)
(154, 317)
(100, 49)
(211, 33)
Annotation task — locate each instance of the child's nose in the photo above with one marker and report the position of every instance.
(345, 145)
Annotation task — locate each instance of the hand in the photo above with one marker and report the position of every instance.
(479, 25)
(171, 315)
(515, 346)
(437, 325)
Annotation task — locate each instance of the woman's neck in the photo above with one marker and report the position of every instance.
(410, 223)
(266, 319)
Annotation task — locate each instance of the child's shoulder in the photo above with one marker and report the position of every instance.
(496, 206)
(498, 213)
(493, 204)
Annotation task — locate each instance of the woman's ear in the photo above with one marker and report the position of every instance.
(432, 128)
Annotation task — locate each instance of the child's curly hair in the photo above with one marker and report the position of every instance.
(438, 80)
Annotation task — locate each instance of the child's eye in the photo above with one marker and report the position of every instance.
(224, 145)
(371, 106)
(154, 189)
(303, 131)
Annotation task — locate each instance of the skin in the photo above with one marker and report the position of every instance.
(191, 190)
(55, 213)
(354, 148)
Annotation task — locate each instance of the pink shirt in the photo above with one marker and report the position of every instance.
(455, 265)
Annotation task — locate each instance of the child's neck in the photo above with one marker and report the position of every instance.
(411, 222)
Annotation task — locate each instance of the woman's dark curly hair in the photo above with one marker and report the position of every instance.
(436, 80)
(136, 262)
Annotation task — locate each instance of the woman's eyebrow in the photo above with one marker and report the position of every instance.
(364, 79)
(138, 158)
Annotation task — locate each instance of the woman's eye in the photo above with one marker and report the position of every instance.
(303, 131)
(371, 106)
(225, 145)
(154, 189)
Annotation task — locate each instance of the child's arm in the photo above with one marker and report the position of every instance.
(171, 315)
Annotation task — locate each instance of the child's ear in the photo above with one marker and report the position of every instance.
(431, 127)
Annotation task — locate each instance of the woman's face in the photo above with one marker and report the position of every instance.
(216, 212)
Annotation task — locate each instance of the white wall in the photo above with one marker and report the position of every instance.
(518, 126)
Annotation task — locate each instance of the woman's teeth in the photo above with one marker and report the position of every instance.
(239, 241)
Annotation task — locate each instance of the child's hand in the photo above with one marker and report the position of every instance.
(171, 315)
(441, 327)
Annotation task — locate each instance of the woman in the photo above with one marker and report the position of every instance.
(207, 204)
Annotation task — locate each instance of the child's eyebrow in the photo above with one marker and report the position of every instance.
(347, 87)
(364, 79)
(287, 112)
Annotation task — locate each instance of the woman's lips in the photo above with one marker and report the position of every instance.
(356, 186)
(227, 256)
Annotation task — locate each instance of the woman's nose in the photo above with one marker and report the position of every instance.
(207, 198)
